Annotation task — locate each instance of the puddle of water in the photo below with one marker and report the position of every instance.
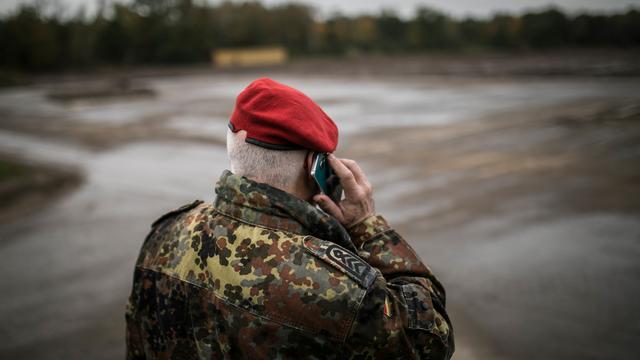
(214, 127)
(75, 258)
(37, 148)
(355, 104)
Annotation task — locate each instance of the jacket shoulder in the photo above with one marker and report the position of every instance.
(175, 212)
(168, 232)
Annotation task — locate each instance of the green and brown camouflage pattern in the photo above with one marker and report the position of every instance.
(261, 274)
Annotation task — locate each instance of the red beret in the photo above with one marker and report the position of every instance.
(276, 116)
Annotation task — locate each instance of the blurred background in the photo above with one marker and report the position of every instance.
(502, 140)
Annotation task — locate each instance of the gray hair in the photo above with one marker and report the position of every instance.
(280, 168)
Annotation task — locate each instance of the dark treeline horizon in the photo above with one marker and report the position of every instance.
(185, 31)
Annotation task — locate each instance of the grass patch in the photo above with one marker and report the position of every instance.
(26, 187)
(12, 78)
(10, 170)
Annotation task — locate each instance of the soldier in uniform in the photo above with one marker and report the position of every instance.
(264, 273)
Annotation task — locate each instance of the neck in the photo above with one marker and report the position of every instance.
(299, 188)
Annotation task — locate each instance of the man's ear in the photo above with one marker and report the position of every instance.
(308, 161)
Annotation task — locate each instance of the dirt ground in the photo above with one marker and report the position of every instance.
(519, 190)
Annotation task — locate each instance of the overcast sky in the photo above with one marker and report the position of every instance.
(405, 7)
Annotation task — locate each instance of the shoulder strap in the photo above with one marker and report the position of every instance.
(177, 211)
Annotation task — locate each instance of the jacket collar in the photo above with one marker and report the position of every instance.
(262, 204)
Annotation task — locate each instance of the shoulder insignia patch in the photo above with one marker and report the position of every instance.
(342, 259)
(177, 211)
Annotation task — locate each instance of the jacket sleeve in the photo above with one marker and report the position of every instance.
(403, 312)
(134, 341)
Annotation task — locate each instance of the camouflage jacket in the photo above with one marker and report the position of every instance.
(261, 274)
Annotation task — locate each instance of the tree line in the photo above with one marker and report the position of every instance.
(185, 31)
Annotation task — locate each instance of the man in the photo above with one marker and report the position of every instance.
(262, 273)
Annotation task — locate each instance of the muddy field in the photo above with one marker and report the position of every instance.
(520, 191)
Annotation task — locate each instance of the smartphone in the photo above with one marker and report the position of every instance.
(327, 180)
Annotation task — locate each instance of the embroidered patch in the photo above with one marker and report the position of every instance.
(351, 263)
(344, 260)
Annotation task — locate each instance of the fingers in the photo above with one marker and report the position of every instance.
(351, 170)
(347, 179)
(358, 201)
(329, 206)
(358, 174)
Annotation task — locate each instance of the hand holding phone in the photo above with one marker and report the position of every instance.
(358, 203)
(325, 177)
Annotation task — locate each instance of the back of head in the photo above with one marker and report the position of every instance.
(279, 168)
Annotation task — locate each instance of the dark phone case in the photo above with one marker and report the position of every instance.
(327, 180)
